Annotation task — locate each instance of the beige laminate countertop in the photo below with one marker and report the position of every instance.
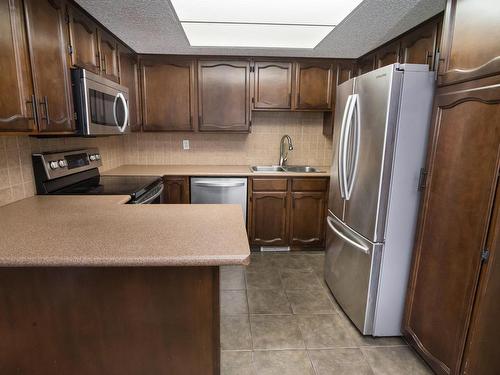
(203, 170)
(103, 231)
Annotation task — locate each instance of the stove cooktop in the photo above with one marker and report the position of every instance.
(134, 186)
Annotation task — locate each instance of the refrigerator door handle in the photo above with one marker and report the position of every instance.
(344, 142)
(365, 249)
(357, 137)
(342, 179)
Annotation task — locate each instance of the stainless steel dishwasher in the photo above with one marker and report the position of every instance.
(220, 190)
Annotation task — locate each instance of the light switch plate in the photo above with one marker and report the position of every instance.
(185, 144)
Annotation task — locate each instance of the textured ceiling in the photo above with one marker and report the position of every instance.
(151, 26)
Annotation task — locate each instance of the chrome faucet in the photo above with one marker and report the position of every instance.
(283, 151)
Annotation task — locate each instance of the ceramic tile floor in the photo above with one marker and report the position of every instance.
(279, 317)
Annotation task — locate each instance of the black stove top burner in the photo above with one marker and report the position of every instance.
(134, 186)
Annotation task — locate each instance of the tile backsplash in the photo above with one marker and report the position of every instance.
(259, 147)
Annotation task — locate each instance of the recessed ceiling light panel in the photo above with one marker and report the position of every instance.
(254, 35)
(297, 12)
(260, 23)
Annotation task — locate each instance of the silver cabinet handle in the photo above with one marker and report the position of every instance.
(342, 182)
(219, 184)
(45, 103)
(33, 107)
(359, 246)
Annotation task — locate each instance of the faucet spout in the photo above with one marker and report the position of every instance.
(283, 150)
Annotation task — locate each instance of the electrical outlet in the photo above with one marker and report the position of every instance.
(185, 144)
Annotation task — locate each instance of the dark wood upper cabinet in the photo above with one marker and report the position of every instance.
(129, 77)
(176, 190)
(366, 64)
(224, 96)
(307, 218)
(313, 85)
(168, 94)
(469, 47)
(345, 71)
(108, 53)
(17, 105)
(273, 85)
(84, 47)
(420, 45)
(47, 36)
(269, 218)
(462, 177)
(387, 55)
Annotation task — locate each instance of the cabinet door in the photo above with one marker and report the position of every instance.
(387, 55)
(366, 64)
(17, 104)
(176, 190)
(108, 52)
(462, 173)
(470, 47)
(224, 96)
(313, 85)
(84, 41)
(481, 356)
(345, 71)
(47, 37)
(129, 77)
(419, 47)
(269, 218)
(273, 85)
(168, 95)
(307, 223)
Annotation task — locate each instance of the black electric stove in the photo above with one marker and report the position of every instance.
(76, 173)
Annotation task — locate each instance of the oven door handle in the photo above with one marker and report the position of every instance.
(121, 127)
(149, 200)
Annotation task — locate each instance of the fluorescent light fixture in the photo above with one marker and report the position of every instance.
(296, 12)
(260, 23)
(254, 35)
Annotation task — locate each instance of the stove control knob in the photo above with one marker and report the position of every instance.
(97, 157)
(53, 165)
(92, 158)
(62, 163)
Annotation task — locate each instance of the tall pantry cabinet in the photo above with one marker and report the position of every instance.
(453, 300)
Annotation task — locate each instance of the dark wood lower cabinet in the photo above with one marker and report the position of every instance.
(287, 211)
(110, 320)
(269, 218)
(307, 222)
(449, 279)
(176, 189)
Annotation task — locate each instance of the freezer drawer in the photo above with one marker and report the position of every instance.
(352, 266)
(220, 190)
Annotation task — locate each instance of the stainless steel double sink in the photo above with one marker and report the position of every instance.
(278, 169)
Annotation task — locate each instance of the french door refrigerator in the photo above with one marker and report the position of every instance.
(381, 127)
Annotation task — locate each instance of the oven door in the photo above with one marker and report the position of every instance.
(106, 108)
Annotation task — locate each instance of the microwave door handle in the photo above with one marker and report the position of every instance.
(122, 127)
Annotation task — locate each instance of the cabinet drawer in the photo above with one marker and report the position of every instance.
(309, 184)
(270, 184)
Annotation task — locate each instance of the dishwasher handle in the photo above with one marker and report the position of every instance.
(217, 184)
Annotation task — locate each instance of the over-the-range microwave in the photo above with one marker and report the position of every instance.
(101, 105)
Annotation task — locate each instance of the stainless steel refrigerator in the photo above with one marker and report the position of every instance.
(380, 136)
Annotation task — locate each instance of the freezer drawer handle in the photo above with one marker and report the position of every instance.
(220, 184)
(361, 247)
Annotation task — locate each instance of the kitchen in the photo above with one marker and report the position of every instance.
(249, 188)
